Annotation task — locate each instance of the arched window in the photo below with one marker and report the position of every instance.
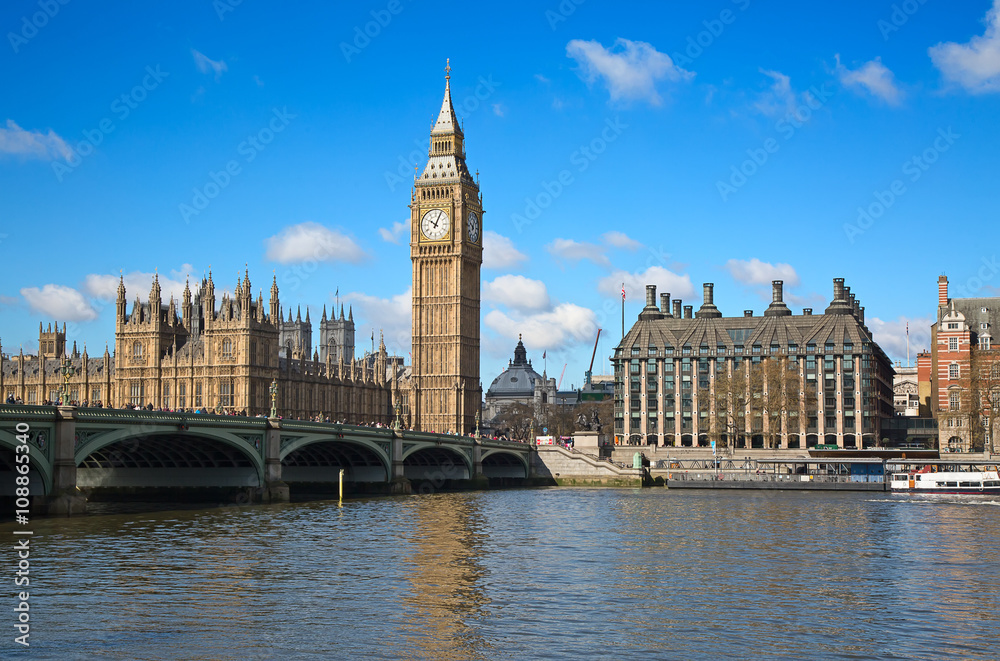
(137, 350)
(227, 348)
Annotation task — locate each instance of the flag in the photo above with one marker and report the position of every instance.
(543, 354)
(338, 292)
(623, 291)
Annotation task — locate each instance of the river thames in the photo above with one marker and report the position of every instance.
(557, 573)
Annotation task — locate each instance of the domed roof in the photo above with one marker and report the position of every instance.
(518, 380)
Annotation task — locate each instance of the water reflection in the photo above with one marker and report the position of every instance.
(446, 595)
(551, 573)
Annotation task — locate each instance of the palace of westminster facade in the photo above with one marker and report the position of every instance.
(224, 355)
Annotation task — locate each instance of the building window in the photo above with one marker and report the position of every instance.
(953, 401)
(197, 395)
(32, 397)
(227, 348)
(651, 367)
(182, 396)
(166, 395)
(95, 395)
(848, 348)
(952, 344)
(829, 347)
(135, 394)
(686, 349)
(226, 392)
(953, 325)
(652, 349)
(137, 350)
(635, 351)
(953, 372)
(984, 342)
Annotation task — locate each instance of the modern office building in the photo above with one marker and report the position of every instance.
(780, 380)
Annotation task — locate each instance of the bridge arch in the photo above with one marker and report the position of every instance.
(436, 463)
(318, 458)
(502, 463)
(166, 457)
(39, 475)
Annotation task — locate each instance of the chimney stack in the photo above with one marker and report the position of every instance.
(838, 289)
(665, 304)
(807, 312)
(777, 308)
(688, 309)
(677, 308)
(942, 291)
(650, 296)
(748, 313)
(708, 309)
(861, 315)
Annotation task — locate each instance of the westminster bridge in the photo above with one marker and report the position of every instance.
(76, 453)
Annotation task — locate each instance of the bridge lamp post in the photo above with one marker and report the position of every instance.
(67, 370)
(274, 398)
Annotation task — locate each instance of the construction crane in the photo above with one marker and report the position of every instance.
(561, 376)
(590, 370)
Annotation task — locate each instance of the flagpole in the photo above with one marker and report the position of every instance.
(907, 344)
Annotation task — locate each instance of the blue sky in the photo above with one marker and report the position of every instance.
(673, 143)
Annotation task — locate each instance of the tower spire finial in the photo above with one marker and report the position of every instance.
(447, 68)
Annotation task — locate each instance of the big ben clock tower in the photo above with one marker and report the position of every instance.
(446, 246)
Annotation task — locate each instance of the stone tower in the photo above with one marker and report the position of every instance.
(447, 253)
(336, 336)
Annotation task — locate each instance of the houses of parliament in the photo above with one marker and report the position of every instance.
(223, 355)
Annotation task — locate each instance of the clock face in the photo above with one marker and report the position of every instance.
(434, 225)
(473, 227)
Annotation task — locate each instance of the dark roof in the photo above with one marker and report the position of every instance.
(518, 380)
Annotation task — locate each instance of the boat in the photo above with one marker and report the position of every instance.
(929, 480)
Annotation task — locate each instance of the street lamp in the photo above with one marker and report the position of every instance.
(274, 398)
(67, 371)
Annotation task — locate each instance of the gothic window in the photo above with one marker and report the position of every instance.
(197, 395)
(32, 398)
(95, 395)
(182, 396)
(227, 348)
(166, 395)
(953, 371)
(137, 350)
(226, 391)
(135, 393)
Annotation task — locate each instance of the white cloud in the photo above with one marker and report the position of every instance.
(138, 283)
(518, 292)
(873, 77)
(564, 326)
(390, 315)
(59, 302)
(542, 79)
(665, 280)
(756, 272)
(499, 252)
(205, 64)
(309, 241)
(499, 109)
(393, 234)
(33, 144)
(621, 240)
(630, 69)
(256, 79)
(574, 251)
(891, 335)
(779, 99)
(974, 65)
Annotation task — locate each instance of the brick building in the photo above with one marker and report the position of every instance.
(962, 371)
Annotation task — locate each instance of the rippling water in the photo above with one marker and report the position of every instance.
(551, 574)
